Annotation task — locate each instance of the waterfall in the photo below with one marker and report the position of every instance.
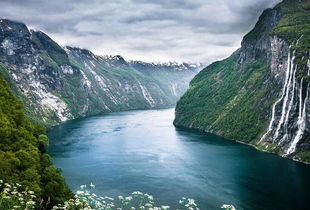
(308, 64)
(301, 127)
(280, 99)
(287, 106)
(286, 98)
(292, 99)
(302, 116)
(291, 103)
(300, 100)
(292, 91)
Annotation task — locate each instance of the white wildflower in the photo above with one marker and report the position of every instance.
(79, 192)
(129, 198)
(191, 201)
(6, 190)
(30, 203)
(92, 185)
(228, 207)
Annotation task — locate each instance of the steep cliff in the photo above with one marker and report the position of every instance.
(57, 84)
(260, 94)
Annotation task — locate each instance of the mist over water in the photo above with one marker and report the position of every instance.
(142, 150)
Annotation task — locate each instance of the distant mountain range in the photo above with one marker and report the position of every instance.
(59, 83)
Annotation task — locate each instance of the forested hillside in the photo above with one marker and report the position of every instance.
(23, 157)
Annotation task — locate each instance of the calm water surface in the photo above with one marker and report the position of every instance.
(141, 150)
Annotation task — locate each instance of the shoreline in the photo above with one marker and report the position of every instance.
(241, 142)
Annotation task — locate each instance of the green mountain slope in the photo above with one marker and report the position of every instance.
(259, 95)
(225, 103)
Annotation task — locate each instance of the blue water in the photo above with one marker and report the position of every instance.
(141, 150)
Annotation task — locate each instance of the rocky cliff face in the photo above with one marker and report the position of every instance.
(57, 84)
(133, 83)
(38, 67)
(260, 94)
(289, 123)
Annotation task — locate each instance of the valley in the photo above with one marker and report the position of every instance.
(86, 130)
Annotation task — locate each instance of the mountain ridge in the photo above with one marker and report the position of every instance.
(133, 61)
(255, 95)
(60, 83)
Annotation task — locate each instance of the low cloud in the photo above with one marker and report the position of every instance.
(150, 30)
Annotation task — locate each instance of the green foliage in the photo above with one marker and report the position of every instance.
(7, 77)
(48, 61)
(42, 143)
(22, 147)
(304, 156)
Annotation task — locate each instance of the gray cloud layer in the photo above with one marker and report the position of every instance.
(151, 30)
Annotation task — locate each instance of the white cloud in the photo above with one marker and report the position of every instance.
(150, 30)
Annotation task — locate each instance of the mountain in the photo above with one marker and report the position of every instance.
(60, 83)
(260, 94)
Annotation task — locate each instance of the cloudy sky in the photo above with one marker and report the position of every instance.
(149, 30)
